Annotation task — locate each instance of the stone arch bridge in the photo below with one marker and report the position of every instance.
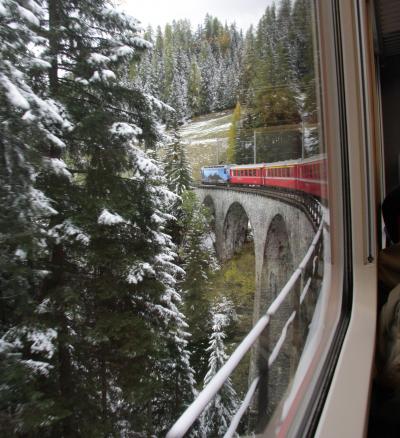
(283, 227)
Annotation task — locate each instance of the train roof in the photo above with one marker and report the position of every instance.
(280, 163)
(217, 165)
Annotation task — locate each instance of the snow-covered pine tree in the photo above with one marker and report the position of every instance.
(30, 123)
(178, 94)
(177, 167)
(248, 66)
(209, 74)
(194, 88)
(197, 257)
(302, 59)
(195, 72)
(111, 291)
(216, 417)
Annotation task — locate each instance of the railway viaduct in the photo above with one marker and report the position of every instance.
(283, 230)
(282, 234)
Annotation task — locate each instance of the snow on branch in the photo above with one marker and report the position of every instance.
(126, 130)
(68, 231)
(14, 95)
(58, 167)
(107, 218)
(138, 272)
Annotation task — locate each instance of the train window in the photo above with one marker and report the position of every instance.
(278, 364)
(291, 244)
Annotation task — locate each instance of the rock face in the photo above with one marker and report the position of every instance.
(282, 235)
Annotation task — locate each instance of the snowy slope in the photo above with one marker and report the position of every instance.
(206, 138)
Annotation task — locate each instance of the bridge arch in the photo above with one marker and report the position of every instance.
(235, 230)
(208, 202)
(277, 268)
(278, 260)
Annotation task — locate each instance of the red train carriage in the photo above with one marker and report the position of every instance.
(311, 177)
(281, 174)
(247, 174)
(307, 175)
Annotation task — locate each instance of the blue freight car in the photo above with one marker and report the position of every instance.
(215, 174)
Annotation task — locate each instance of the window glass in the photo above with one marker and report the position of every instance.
(290, 130)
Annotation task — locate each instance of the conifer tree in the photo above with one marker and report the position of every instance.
(217, 415)
(30, 122)
(233, 134)
(194, 88)
(178, 96)
(194, 72)
(110, 331)
(197, 257)
(177, 168)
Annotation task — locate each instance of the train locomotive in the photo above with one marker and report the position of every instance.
(305, 175)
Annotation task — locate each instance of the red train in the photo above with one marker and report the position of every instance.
(308, 175)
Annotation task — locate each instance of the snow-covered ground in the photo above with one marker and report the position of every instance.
(206, 138)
